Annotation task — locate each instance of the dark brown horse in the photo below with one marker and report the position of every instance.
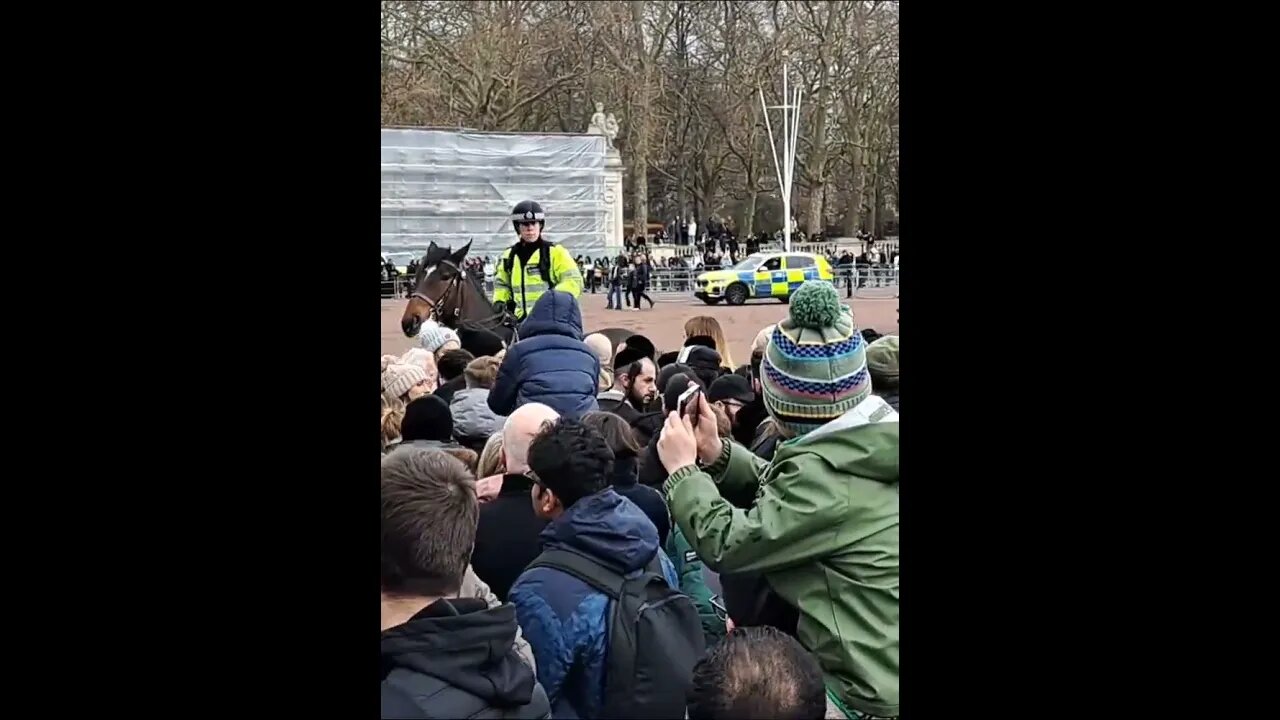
(444, 292)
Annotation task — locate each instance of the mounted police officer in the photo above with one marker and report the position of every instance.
(527, 269)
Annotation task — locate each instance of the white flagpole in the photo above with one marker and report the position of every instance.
(787, 150)
(784, 166)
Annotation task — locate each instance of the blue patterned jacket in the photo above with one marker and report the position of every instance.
(565, 620)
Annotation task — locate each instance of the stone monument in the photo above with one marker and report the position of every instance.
(596, 126)
(611, 128)
(607, 125)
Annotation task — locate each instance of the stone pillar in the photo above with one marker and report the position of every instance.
(613, 201)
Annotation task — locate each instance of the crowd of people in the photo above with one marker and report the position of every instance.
(577, 529)
(634, 269)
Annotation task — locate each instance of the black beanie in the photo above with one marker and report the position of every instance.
(676, 385)
(705, 341)
(668, 372)
(427, 418)
(705, 363)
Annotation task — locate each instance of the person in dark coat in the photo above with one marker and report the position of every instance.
(550, 364)
(451, 366)
(633, 385)
(617, 433)
(442, 656)
(650, 470)
(508, 531)
(427, 423)
(640, 282)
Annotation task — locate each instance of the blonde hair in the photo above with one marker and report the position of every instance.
(392, 416)
(709, 326)
(762, 339)
(491, 457)
(600, 345)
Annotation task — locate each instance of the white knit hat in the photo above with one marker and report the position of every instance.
(418, 357)
(397, 379)
(433, 335)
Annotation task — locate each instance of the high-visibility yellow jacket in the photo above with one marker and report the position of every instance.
(524, 284)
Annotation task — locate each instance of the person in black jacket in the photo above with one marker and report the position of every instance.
(451, 365)
(617, 433)
(442, 656)
(640, 282)
(507, 534)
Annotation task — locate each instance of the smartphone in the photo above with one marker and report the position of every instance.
(683, 404)
(717, 606)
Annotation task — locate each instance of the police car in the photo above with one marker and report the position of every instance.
(763, 275)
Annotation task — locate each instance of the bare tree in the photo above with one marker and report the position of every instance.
(633, 36)
(684, 77)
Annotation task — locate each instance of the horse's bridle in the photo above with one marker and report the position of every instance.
(444, 294)
(455, 283)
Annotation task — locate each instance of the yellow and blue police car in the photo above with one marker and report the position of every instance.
(763, 275)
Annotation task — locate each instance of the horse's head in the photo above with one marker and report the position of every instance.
(436, 288)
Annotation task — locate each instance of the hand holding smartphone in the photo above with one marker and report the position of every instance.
(687, 403)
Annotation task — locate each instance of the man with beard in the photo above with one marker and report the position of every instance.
(732, 393)
(634, 385)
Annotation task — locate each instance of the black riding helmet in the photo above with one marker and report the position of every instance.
(527, 210)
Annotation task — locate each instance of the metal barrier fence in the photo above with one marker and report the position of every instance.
(855, 280)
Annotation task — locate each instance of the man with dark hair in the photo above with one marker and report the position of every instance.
(731, 392)
(757, 672)
(633, 386)
(442, 655)
(565, 619)
(452, 364)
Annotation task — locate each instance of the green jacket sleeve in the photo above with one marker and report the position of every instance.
(692, 584)
(737, 473)
(565, 271)
(794, 520)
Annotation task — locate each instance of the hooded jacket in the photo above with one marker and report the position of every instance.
(550, 364)
(456, 659)
(824, 532)
(566, 620)
(472, 417)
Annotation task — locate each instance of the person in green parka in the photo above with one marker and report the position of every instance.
(823, 527)
(689, 568)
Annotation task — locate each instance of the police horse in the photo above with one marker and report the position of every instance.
(444, 292)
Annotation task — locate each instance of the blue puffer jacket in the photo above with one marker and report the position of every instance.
(563, 618)
(550, 364)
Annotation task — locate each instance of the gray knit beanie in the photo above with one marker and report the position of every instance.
(397, 379)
